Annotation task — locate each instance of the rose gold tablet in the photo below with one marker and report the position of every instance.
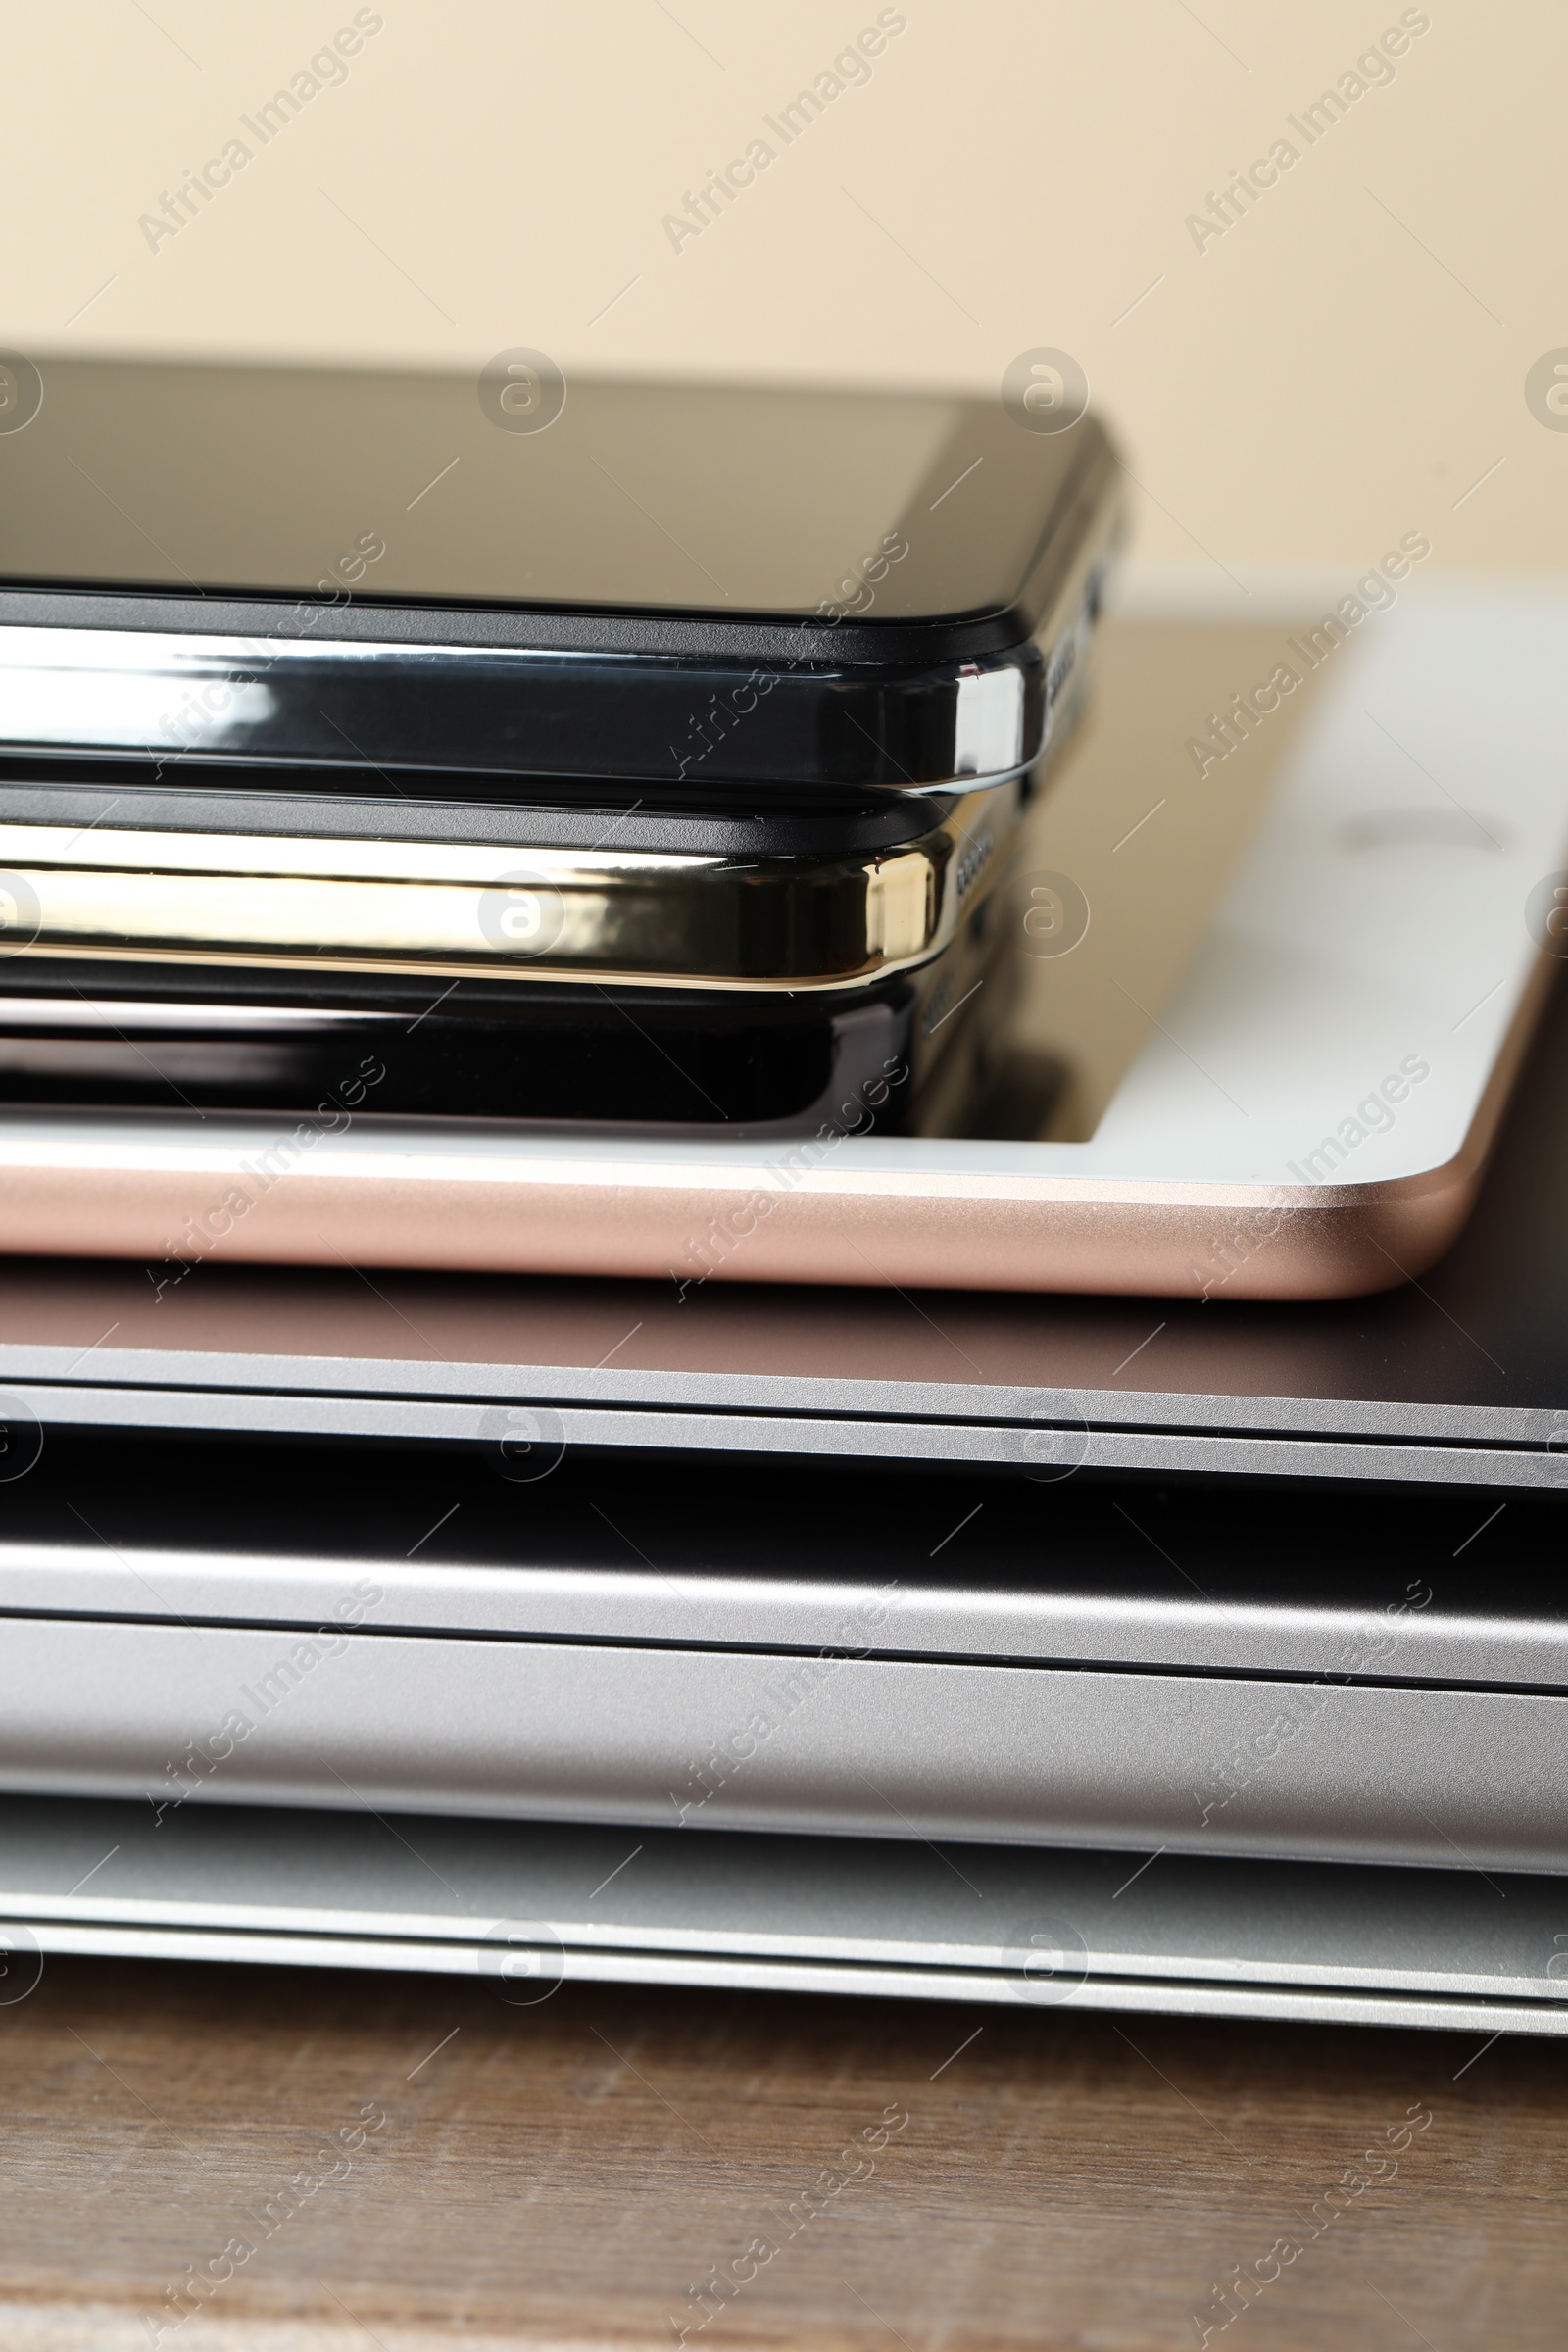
(1283, 930)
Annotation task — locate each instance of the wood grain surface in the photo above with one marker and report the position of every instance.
(413, 2162)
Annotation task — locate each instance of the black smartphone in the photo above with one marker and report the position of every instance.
(903, 1055)
(686, 588)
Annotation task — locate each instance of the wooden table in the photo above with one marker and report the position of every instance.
(413, 2162)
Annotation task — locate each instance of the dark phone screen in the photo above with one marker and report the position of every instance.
(516, 487)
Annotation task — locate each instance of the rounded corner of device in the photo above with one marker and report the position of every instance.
(1354, 1241)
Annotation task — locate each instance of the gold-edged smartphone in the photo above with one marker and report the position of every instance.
(624, 968)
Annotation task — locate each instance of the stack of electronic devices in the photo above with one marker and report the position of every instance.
(638, 757)
(506, 835)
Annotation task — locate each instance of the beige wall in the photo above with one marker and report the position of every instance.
(1338, 367)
